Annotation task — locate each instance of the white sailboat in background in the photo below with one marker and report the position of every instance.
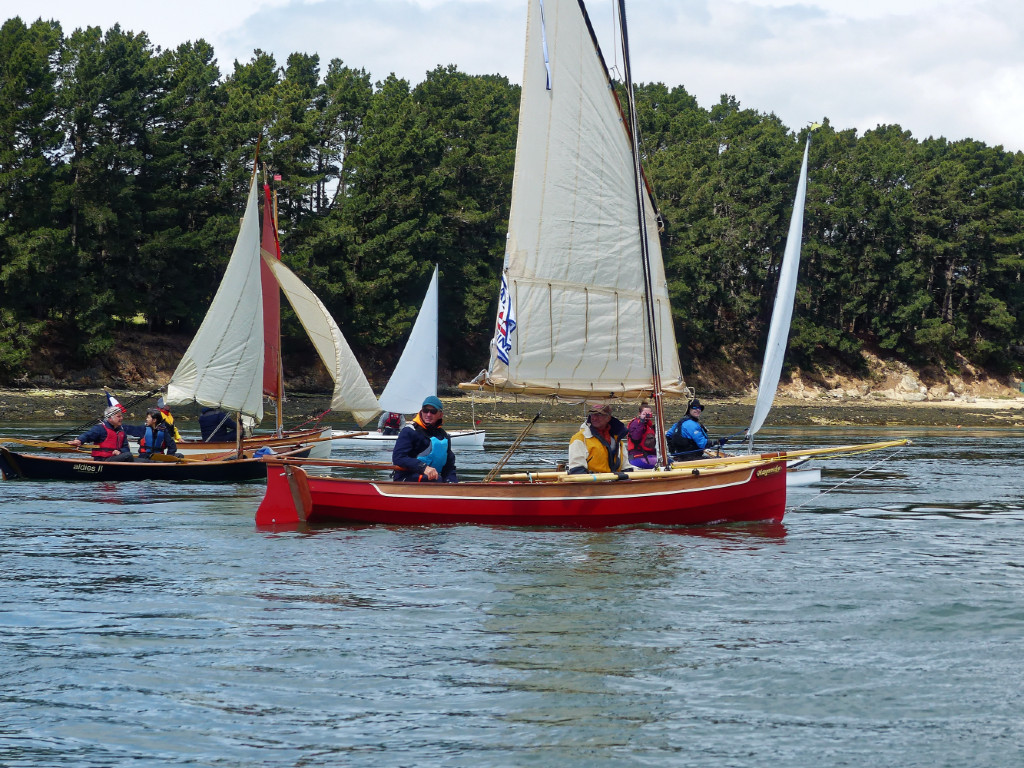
(411, 382)
(224, 365)
(778, 330)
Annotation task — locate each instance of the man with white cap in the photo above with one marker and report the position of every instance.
(109, 436)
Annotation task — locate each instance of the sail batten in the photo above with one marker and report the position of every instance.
(573, 261)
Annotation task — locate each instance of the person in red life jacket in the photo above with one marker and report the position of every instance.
(154, 437)
(600, 445)
(390, 423)
(423, 449)
(643, 440)
(109, 436)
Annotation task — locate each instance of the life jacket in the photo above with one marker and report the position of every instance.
(647, 443)
(111, 444)
(679, 442)
(153, 441)
(394, 421)
(601, 456)
(436, 455)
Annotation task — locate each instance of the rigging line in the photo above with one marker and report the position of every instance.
(848, 480)
(82, 427)
(645, 252)
(511, 449)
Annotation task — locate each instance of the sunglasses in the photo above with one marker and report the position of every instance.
(431, 411)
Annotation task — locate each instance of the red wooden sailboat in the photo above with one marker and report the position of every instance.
(731, 493)
(583, 313)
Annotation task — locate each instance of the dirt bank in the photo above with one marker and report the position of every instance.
(78, 406)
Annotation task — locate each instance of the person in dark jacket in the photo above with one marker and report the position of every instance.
(423, 449)
(154, 436)
(109, 436)
(217, 427)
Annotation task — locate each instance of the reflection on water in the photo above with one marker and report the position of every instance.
(879, 624)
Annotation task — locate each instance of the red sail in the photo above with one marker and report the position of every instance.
(271, 302)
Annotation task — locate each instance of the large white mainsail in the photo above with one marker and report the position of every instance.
(782, 312)
(411, 381)
(573, 267)
(352, 391)
(223, 366)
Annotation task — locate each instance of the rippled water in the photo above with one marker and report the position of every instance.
(882, 624)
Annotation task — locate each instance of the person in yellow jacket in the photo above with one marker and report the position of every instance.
(600, 445)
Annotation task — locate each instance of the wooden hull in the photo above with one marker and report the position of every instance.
(462, 439)
(30, 466)
(723, 495)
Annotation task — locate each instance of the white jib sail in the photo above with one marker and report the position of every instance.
(782, 312)
(352, 391)
(223, 366)
(415, 376)
(573, 260)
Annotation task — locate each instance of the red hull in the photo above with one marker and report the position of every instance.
(724, 495)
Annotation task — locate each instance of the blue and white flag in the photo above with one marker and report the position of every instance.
(506, 323)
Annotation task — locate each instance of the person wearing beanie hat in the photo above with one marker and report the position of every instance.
(423, 450)
(688, 438)
(600, 444)
(109, 436)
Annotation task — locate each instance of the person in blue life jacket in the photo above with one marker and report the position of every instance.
(217, 427)
(423, 449)
(390, 423)
(109, 436)
(154, 436)
(688, 438)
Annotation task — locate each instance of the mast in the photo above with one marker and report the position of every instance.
(645, 255)
(273, 384)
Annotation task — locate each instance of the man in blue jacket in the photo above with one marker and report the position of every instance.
(423, 449)
(687, 438)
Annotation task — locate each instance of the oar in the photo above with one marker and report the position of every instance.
(710, 463)
(46, 445)
(334, 463)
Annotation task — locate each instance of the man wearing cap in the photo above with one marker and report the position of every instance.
(600, 445)
(109, 436)
(423, 449)
(687, 438)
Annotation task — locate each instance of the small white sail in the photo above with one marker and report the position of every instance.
(223, 366)
(352, 392)
(782, 312)
(415, 376)
(573, 256)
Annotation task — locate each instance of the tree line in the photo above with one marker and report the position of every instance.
(124, 167)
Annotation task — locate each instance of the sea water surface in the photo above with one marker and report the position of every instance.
(881, 624)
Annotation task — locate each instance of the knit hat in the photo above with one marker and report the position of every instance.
(434, 401)
(604, 408)
(111, 411)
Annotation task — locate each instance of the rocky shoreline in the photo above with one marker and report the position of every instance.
(78, 406)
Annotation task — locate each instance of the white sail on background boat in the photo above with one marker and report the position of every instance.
(572, 314)
(778, 330)
(223, 366)
(411, 381)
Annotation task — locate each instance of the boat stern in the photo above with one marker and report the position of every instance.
(287, 500)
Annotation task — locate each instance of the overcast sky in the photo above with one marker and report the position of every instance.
(934, 67)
